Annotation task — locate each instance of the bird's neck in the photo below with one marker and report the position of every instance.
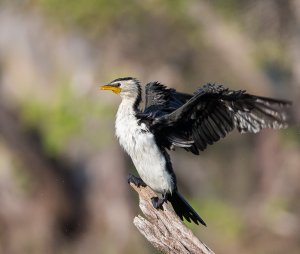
(131, 103)
(126, 123)
(127, 109)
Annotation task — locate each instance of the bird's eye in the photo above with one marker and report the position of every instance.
(118, 84)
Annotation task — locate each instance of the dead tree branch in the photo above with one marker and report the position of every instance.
(163, 229)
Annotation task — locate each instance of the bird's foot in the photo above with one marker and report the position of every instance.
(158, 202)
(135, 180)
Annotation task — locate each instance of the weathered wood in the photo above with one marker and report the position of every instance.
(163, 228)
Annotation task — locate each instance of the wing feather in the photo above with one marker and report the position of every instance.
(213, 111)
(160, 100)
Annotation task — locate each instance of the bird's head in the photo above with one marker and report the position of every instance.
(127, 87)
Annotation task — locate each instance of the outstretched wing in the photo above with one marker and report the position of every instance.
(161, 100)
(213, 112)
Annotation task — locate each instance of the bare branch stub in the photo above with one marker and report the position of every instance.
(163, 228)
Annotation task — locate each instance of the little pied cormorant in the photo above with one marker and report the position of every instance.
(190, 121)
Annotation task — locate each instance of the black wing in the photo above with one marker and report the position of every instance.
(213, 112)
(161, 100)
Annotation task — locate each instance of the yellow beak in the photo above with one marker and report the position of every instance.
(113, 88)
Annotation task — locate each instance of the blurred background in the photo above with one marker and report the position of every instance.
(63, 175)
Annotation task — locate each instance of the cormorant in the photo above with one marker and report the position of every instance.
(190, 121)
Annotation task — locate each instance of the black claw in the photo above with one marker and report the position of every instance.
(154, 201)
(135, 180)
(157, 202)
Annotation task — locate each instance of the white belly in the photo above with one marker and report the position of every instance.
(140, 144)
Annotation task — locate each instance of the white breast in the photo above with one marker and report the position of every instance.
(140, 144)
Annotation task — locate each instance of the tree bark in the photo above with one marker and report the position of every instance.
(164, 229)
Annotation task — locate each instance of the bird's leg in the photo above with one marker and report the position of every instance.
(135, 180)
(158, 202)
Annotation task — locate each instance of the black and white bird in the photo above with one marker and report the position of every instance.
(190, 121)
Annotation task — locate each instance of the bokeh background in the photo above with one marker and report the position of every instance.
(63, 182)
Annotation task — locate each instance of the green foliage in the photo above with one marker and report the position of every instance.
(97, 16)
(274, 209)
(64, 118)
(290, 135)
(57, 120)
(229, 9)
(90, 14)
(224, 217)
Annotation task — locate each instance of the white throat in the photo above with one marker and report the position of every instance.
(127, 125)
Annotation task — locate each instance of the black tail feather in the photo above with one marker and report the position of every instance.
(184, 210)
